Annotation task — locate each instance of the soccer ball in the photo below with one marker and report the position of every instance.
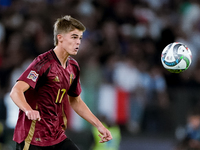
(176, 57)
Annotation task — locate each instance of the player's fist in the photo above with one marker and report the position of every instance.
(33, 115)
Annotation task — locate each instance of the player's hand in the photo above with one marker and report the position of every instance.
(105, 134)
(33, 115)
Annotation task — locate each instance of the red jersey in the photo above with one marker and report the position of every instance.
(49, 84)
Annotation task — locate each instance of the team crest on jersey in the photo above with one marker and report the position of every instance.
(71, 78)
(32, 75)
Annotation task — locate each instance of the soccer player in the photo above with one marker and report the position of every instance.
(44, 89)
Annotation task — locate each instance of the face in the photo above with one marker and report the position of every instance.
(70, 41)
(194, 121)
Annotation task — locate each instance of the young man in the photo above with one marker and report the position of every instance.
(44, 89)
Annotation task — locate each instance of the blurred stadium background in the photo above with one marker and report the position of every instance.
(122, 77)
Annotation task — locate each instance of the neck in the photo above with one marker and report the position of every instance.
(62, 55)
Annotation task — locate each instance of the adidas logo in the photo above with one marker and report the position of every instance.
(56, 79)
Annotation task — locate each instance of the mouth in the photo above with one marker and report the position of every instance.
(76, 49)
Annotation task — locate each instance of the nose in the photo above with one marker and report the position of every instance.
(78, 41)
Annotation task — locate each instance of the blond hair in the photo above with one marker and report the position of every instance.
(66, 24)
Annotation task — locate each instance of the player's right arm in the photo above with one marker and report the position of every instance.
(17, 95)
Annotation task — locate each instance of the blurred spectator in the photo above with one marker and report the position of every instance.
(157, 113)
(2, 32)
(191, 139)
(110, 43)
(127, 77)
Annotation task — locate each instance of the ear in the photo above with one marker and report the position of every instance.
(60, 38)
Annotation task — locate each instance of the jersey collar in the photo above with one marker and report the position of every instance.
(56, 58)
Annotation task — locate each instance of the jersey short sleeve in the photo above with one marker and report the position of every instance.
(33, 72)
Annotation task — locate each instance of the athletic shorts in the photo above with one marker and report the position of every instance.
(67, 144)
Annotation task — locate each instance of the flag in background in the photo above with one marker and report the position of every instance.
(114, 103)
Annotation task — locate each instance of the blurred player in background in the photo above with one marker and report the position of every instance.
(191, 141)
(44, 89)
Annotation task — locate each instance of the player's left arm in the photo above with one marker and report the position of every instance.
(82, 110)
